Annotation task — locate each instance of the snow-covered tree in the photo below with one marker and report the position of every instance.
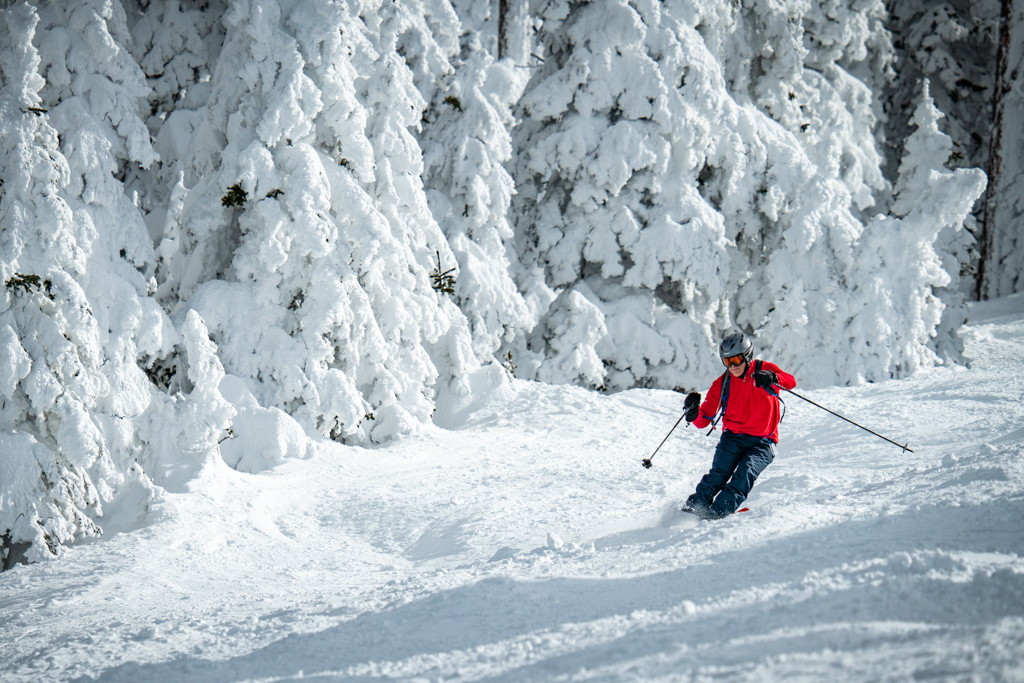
(48, 388)
(700, 168)
(177, 45)
(74, 253)
(952, 45)
(610, 150)
(800, 174)
(93, 92)
(304, 237)
(909, 263)
(466, 140)
(183, 431)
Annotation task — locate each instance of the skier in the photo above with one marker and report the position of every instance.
(745, 399)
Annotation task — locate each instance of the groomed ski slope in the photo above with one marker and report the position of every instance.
(526, 543)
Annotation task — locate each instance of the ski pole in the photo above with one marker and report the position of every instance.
(905, 449)
(646, 462)
(692, 401)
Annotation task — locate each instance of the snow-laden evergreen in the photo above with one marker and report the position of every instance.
(689, 169)
(608, 203)
(953, 45)
(75, 255)
(235, 230)
(466, 139)
(176, 44)
(909, 264)
(304, 239)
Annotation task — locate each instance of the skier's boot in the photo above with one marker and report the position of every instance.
(695, 505)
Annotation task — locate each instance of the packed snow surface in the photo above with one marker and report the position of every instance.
(524, 541)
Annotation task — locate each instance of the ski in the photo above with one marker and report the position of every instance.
(691, 511)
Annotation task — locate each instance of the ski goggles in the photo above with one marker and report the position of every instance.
(734, 360)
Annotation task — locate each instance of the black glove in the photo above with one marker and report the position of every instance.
(765, 379)
(692, 406)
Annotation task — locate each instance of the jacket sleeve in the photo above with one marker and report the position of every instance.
(710, 405)
(786, 380)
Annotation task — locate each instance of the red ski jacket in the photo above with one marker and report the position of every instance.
(749, 409)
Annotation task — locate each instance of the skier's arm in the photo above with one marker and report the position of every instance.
(710, 405)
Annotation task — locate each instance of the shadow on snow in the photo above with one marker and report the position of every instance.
(747, 606)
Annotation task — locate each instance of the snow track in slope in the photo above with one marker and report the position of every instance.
(529, 544)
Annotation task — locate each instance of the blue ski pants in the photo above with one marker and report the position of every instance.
(739, 459)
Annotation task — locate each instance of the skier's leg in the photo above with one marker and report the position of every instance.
(727, 455)
(755, 458)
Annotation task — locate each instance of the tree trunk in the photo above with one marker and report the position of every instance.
(514, 30)
(502, 28)
(1001, 239)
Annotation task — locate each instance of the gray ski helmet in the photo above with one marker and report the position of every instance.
(736, 344)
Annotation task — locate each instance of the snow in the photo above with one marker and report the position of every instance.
(360, 205)
(717, 166)
(270, 267)
(524, 541)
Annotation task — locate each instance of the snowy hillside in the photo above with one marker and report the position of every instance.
(227, 224)
(525, 542)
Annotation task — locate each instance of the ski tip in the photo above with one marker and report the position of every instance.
(743, 510)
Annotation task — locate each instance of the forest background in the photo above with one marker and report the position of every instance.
(232, 227)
